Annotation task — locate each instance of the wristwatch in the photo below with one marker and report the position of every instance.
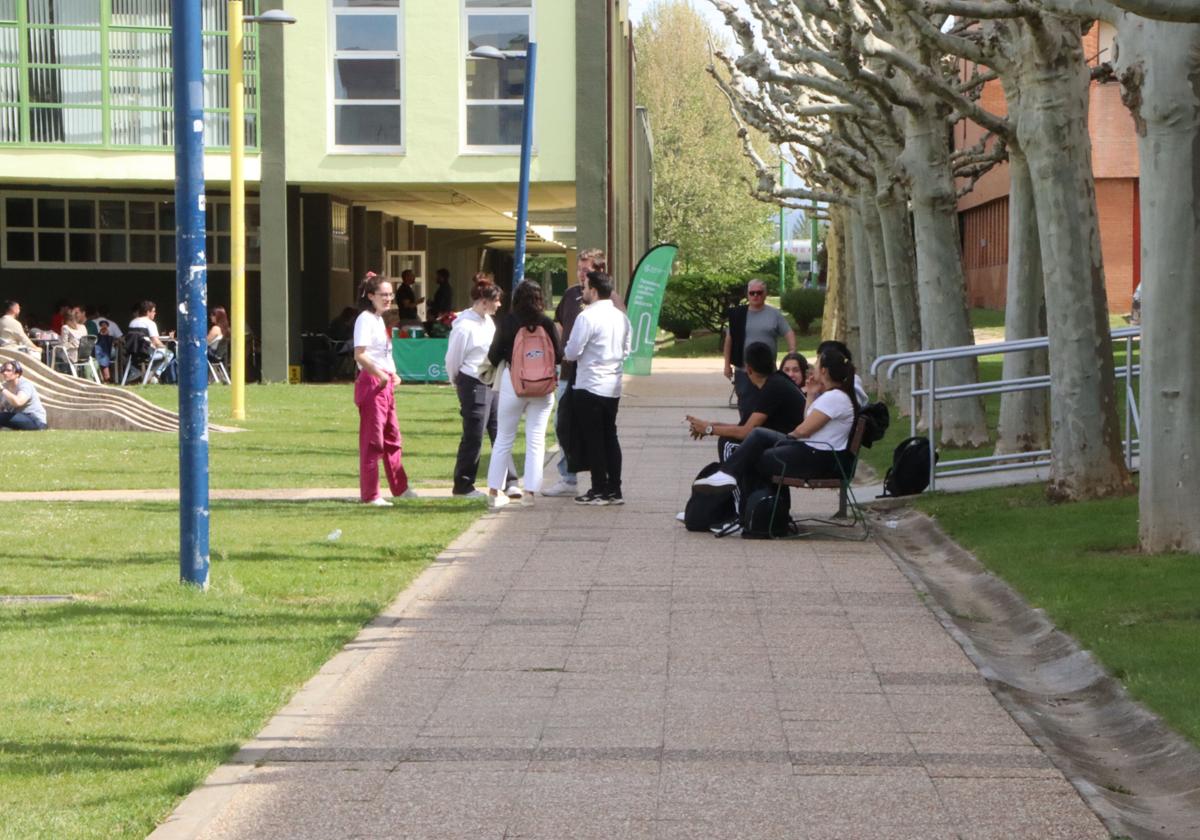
(708, 429)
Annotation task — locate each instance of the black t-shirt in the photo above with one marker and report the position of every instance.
(406, 301)
(780, 400)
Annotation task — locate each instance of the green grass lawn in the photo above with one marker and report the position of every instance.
(295, 436)
(117, 704)
(1136, 613)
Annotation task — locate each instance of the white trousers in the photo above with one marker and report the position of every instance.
(537, 412)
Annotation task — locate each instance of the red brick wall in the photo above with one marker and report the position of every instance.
(985, 252)
(1116, 200)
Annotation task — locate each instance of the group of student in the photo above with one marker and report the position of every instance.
(505, 368)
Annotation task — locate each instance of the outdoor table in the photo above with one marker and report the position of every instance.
(421, 359)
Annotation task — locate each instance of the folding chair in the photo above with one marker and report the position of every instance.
(85, 358)
(218, 355)
(850, 515)
(137, 353)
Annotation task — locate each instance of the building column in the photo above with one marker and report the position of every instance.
(279, 324)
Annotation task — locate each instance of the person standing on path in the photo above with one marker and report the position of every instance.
(526, 317)
(568, 309)
(600, 343)
(750, 323)
(375, 396)
(470, 339)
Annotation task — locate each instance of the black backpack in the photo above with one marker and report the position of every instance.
(763, 517)
(877, 421)
(705, 510)
(909, 473)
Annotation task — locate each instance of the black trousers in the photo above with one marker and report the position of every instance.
(477, 405)
(596, 423)
(765, 453)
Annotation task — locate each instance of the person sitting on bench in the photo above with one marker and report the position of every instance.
(809, 450)
(774, 402)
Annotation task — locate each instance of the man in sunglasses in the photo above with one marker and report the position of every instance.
(748, 324)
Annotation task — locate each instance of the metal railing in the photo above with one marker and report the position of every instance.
(1014, 460)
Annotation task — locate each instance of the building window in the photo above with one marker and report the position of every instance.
(97, 73)
(105, 230)
(368, 74)
(493, 100)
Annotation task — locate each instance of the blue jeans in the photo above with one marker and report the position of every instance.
(20, 421)
(560, 432)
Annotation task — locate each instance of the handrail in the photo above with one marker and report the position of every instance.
(993, 463)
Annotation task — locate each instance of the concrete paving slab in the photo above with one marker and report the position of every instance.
(569, 672)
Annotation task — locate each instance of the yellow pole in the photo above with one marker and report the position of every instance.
(237, 215)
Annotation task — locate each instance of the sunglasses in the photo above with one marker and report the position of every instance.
(756, 293)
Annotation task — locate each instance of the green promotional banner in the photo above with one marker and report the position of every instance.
(421, 359)
(646, 292)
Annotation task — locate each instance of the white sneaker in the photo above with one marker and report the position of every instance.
(561, 488)
(498, 501)
(408, 494)
(474, 494)
(513, 492)
(727, 529)
(378, 501)
(681, 516)
(717, 481)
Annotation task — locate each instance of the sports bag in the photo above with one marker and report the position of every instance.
(878, 419)
(705, 510)
(763, 517)
(532, 365)
(909, 473)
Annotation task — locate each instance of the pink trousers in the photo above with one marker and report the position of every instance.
(378, 437)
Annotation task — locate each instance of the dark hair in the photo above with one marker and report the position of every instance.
(145, 308)
(16, 366)
(833, 344)
(9, 304)
(370, 285)
(760, 358)
(220, 318)
(601, 283)
(798, 358)
(486, 291)
(841, 372)
(443, 272)
(527, 303)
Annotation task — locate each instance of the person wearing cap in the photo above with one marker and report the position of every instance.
(20, 408)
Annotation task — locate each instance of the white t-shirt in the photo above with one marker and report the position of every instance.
(372, 333)
(143, 323)
(836, 433)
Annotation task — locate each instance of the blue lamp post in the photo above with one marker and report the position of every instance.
(530, 57)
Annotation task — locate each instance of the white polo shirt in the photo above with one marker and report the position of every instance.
(372, 333)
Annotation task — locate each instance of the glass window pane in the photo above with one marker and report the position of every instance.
(506, 4)
(252, 216)
(52, 247)
(141, 248)
(166, 215)
(69, 12)
(253, 250)
(209, 250)
(141, 215)
(142, 128)
(81, 126)
(18, 212)
(52, 212)
(112, 215)
(72, 47)
(143, 89)
(494, 125)
(83, 247)
(504, 32)
(224, 250)
(10, 53)
(143, 12)
(223, 213)
(366, 4)
(139, 49)
(367, 32)
(64, 87)
(360, 78)
(82, 213)
(112, 247)
(20, 246)
(8, 10)
(487, 79)
(10, 125)
(166, 249)
(367, 125)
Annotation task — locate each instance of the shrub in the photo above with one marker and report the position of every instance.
(768, 270)
(805, 306)
(695, 301)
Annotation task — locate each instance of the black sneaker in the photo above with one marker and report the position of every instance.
(727, 529)
(591, 497)
(615, 499)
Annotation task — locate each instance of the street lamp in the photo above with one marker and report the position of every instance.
(237, 199)
(530, 56)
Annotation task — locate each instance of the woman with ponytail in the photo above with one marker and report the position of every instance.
(808, 451)
(375, 395)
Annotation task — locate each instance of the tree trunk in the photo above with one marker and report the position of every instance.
(1160, 68)
(864, 294)
(885, 330)
(835, 322)
(941, 284)
(841, 261)
(1024, 417)
(902, 284)
(1052, 128)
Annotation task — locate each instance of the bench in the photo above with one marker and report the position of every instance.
(850, 514)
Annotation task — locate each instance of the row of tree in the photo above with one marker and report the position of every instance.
(870, 90)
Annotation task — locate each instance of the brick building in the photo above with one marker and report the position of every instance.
(983, 214)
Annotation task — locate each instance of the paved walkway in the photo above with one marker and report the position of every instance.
(568, 672)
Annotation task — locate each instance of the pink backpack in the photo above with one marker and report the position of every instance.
(533, 363)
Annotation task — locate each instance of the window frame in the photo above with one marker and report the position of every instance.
(96, 229)
(332, 146)
(464, 147)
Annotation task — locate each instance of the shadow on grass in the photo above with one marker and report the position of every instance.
(37, 757)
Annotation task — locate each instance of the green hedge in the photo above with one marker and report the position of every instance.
(699, 301)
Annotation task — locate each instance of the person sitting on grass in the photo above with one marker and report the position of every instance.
(774, 402)
(20, 408)
(810, 450)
